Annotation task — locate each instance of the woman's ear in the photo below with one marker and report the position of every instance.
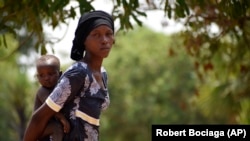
(114, 42)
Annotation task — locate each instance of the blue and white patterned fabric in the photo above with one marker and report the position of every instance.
(80, 97)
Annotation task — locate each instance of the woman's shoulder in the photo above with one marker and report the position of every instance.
(76, 69)
(78, 65)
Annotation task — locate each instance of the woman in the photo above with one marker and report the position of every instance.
(81, 93)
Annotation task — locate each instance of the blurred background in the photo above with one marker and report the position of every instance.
(174, 62)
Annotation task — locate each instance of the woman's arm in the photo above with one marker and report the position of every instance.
(38, 123)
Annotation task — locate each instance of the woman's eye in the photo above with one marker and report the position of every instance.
(95, 34)
(109, 34)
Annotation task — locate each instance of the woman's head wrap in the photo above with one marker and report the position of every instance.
(86, 24)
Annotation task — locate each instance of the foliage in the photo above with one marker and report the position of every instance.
(15, 96)
(228, 80)
(221, 56)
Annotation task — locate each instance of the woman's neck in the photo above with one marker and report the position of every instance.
(94, 64)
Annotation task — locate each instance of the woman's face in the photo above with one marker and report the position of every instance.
(100, 41)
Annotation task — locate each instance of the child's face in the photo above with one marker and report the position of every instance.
(47, 76)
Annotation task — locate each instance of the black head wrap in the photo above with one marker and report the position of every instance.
(86, 24)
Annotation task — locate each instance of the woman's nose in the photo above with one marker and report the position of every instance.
(104, 39)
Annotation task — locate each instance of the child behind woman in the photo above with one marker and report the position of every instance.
(48, 73)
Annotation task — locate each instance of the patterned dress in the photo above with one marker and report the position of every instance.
(79, 96)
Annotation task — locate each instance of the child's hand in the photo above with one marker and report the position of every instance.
(66, 125)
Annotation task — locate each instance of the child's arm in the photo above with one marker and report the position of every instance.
(64, 121)
(37, 103)
(41, 96)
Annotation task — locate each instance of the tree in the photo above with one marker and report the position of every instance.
(16, 95)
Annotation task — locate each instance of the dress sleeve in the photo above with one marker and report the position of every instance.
(67, 88)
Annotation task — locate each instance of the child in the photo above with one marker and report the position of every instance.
(48, 73)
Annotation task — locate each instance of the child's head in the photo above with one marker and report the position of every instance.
(48, 70)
